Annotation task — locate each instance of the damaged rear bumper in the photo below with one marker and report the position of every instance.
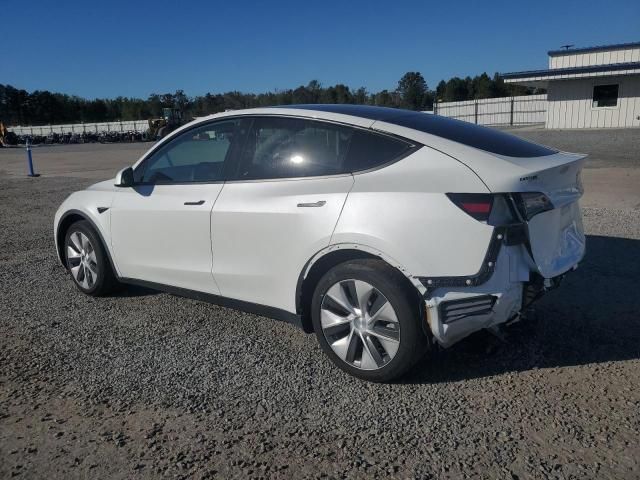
(508, 283)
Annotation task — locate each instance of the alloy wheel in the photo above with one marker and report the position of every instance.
(82, 261)
(360, 324)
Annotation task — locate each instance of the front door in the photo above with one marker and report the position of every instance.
(279, 208)
(160, 228)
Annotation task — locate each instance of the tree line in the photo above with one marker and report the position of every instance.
(41, 107)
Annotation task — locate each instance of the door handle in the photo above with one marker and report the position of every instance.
(199, 202)
(319, 203)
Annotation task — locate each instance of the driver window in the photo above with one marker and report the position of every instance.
(197, 155)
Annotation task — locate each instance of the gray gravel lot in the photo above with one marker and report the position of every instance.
(144, 384)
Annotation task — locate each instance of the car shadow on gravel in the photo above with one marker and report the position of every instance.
(134, 291)
(594, 317)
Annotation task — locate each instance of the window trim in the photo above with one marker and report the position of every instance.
(601, 84)
(412, 147)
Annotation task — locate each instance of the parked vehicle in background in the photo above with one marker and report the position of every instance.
(161, 127)
(85, 137)
(383, 231)
(7, 138)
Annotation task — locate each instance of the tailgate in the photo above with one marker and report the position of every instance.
(557, 239)
(556, 236)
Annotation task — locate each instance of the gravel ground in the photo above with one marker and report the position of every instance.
(145, 384)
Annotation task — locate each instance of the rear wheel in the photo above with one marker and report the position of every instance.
(367, 320)
(87, 260)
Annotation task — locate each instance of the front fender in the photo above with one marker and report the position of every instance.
(92, 206)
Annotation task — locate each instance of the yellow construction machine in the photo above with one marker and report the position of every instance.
(161, 127)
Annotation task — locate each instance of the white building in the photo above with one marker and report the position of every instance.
(596, 87)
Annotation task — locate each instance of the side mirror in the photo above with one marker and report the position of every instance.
(124, 178)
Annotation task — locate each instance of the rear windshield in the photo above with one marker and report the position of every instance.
(484, 138)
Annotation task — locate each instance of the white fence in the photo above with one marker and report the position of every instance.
(522, 110)
(130, 126)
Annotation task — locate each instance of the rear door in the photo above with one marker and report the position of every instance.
(160, 227)
(279, 208)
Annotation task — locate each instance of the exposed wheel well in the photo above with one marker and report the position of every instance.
(307, 285)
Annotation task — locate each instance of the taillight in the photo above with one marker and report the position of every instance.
(531, 204)
(497, 209)
(477, 205)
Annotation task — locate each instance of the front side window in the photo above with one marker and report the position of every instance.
(605, 95)
(197, 155)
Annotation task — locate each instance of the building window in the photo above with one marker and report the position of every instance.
(605, 95)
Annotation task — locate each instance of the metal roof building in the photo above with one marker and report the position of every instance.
(595, 87)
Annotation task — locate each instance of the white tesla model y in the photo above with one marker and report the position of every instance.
(381, 230)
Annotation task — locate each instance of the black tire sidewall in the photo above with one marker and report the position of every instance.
(104, 267)
(393, 286)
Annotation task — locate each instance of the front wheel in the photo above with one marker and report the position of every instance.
(367, 320)
(87, 260)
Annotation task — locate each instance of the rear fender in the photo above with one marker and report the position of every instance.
(369, 250)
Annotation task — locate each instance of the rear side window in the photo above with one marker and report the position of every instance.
(277, 147)
(371, 150)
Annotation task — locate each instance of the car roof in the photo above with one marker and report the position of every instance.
(390, 120)
(363, 111)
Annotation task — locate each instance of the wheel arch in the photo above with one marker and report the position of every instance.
(328, 258)
(69, 218)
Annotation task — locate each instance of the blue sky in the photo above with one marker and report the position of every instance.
(134, 48)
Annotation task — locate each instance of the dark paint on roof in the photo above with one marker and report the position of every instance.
(483, 138)
(612, 67)
(596, 48)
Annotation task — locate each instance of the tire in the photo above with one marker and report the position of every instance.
(87, 261)
(367, 320)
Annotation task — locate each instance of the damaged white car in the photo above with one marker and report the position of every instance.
(381, 230)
